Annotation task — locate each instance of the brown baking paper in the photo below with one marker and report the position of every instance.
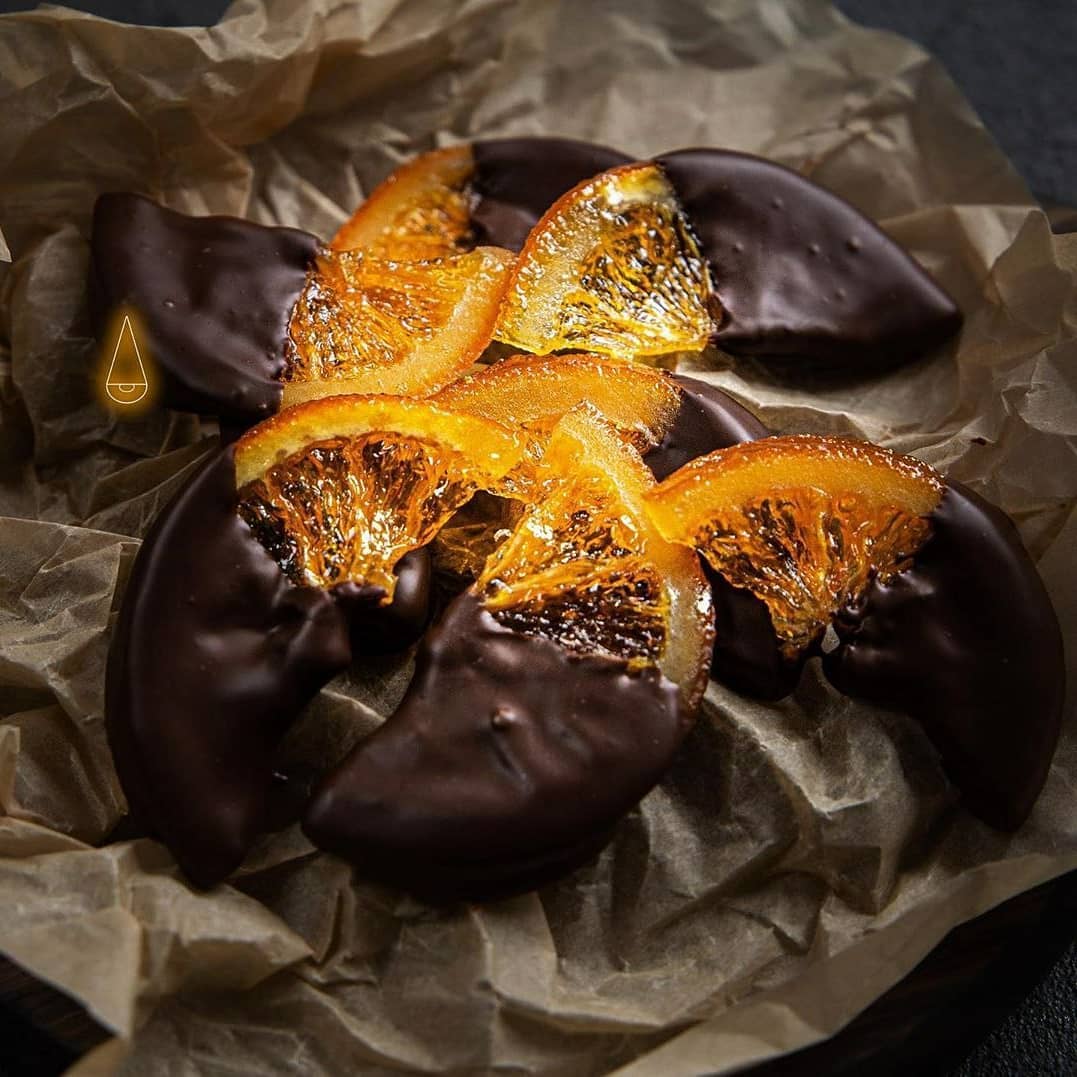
(801, 857)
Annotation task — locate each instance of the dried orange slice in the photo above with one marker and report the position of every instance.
(585, 567)
(612, 267)
(339, 489)
(802, 522)
(534, 390)
(421, 212)
(367, 325)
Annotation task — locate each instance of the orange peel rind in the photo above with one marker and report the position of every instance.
(339, 489)
(803, 522)
(536, 390)
(612, 267)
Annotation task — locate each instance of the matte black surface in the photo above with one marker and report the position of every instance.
(1016, 61)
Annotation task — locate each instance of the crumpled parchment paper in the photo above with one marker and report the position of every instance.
(801, 857)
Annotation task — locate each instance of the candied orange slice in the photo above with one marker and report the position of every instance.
(528, 389)
(612, 267)
(422, 211)
(367, 325)
(339, 489)
(803, 522)
(585, 567)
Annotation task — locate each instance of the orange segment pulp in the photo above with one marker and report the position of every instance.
(585, 567)
(339, 489)
(422, 211)
(612, 267)
(535, 390)
(803, 522)
(366, 325)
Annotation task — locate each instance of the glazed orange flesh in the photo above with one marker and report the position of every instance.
(528, 389)
(339, 489)
(803, 522)
(585, 566)
(612, 268)
(363, 325)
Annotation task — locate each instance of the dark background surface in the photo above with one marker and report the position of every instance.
(1014, 1013)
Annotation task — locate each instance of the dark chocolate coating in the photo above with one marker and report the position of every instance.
(967, 642)
(507, 762)
(397, 626)
(215, 295)
(747, 654)
(799, 272)
(214, 655)
(708, 419)
(518, 179)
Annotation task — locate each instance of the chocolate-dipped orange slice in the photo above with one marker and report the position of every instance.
(549, 698)
(214, 654)
(286, 554)
(966, 641)
(937, 608)
(803, 522)
(214, 293)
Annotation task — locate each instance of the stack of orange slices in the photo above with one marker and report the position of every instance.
(529, 469)
(403, 303)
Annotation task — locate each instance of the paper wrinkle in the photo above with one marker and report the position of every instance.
(799, 857)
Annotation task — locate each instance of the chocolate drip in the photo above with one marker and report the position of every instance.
(508, 761)
(801, 273)
(518, 179)
(214, 655)
(215, 294)
(965, 641)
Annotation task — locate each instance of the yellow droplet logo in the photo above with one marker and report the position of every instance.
(126, 380)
